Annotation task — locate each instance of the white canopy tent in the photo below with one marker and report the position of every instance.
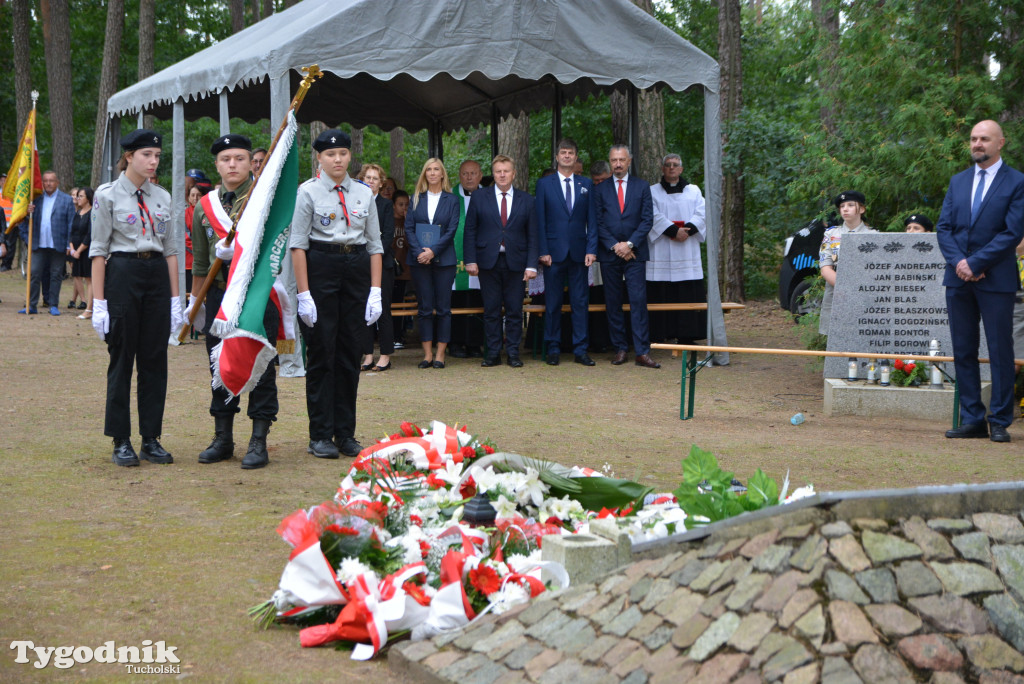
(440, 66)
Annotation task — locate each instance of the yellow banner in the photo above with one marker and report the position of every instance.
(23, 180)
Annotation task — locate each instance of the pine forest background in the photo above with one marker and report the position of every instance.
(818, 96)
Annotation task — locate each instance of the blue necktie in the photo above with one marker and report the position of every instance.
(978, 195)
(568, 195)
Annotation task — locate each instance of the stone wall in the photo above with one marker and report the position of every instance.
(922, 585)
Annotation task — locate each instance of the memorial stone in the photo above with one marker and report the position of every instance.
(889, 298)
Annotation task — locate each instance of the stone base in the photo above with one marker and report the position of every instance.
(844, 398)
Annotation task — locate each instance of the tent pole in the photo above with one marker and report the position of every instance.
(494, 130)
(435, 146)
(556, 120)
(178, 188)
(713, 218)
(225, 118)
(634, 126)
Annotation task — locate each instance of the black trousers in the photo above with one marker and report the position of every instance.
(502, 286)
(339, 285)
(262, 397)
(384, 327)
(139, 301)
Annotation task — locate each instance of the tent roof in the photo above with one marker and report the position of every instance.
(396, 63)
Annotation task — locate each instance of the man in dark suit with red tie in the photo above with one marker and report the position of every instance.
(568, 246)
(982, 222)
(625, 212)
(500, 246)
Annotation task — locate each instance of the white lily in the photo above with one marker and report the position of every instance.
(504, 508)
(452, 472)
(531, 489)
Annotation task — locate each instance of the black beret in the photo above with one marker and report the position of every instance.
(196, 174)
(231, 141)
(921, 219)
(849, 196)
(140, 138)
(330, 139)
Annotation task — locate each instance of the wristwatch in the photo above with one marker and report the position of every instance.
(629, 244)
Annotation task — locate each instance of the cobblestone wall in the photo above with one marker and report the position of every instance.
(919, 598)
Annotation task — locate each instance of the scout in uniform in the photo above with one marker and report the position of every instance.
(211, 222)
(851, 208)
(336, 250)
(134, 275)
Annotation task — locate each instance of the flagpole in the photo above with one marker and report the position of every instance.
(31, 197)
(312, 73)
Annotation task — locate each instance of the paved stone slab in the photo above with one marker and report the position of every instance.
(687, 633)
(770, 645)
(886, 548)
(752, 629)
(1008, 617)
(722, 668)
(573, 603)
(949, 525)
(842, 587)
(808, 674)
(746, 591)
(460, 669)
(554, 673)
(594, 605)
(931, 652)
(543, 630)
(659, 637)
(1010, 563)
(931, 542)
(849, 624)
(620, 651)
(799, 604)
(914, 578)
(848, 552)
(999, 677)
(875, 664)
(659, 590)
(631, 667)
(729, 548)
(796, 531)
(536, 612)
(873, 524)
(1001, 528)
(714, 637)
(679, 607)
(837, 670)
(640, 589)
(689, 572)
(974, 546)
(835, 529)
(951, 614)
(608, 613)
(990, 652)
(647, 624)
(812, 626)
(495, 645)
(471, 636)
(893, 620)
(489, 673)
(880, 584)
(623, 622)
(598, 649)
(714, 606)
(772, 558)
(757, 545)
(964, 579)
(575, 637)
(708, 576)
(809, 552)
(521, 655)
(780, 591)
(946, 678)
(834, 648)
(788, 658)
(737, 570)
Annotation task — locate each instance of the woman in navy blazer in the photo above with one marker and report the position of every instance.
(433, 269)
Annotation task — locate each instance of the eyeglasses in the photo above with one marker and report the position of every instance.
(672, 165)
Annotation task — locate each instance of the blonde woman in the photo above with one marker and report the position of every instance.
(430, 228)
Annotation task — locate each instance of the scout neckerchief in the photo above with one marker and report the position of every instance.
(144, 214)
(461, 276)
(344, 207)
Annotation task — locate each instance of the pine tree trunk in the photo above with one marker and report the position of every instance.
(730, 57)
(396, 165)
(514, 142)
(57, 39)
(651, 115)
(108, 82)
(147, 31)
(237, 9)
(268, 8)
(315, 129)
(357, 143)
(827, 16)
(619, 104)
(22, 27)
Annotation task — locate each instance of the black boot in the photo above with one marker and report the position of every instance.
(256, 456)
(154, 453)
(124, 454)
(223, 446)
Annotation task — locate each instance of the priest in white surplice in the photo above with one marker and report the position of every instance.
(674, 271)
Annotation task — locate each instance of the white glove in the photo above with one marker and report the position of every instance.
(373, 307)
(224, 252)
(200, 320)
(177, 315)
(100, 318)
(307, 308)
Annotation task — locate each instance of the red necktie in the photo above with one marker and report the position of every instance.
(622, 198)
(504, 210)
(344, 207)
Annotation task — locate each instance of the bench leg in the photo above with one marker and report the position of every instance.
(688, 392)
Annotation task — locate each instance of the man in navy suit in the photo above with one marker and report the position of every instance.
(501, 248)
(52, 215)
(982, 222)
(568, 246)
(625, 212)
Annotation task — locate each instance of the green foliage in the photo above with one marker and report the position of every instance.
(595, 493)
(706, 490)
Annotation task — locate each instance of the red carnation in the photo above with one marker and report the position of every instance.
(424, 548)
(909, 367)
(488, 449)
(898, 364)
(468, 452)
(485, 579)
(415, 519)
(338, 529)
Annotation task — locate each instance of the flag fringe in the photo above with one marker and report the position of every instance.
(259, 366)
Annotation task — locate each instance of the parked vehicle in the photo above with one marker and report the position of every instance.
(800, 260)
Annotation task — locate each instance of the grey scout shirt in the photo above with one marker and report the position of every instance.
(118, 227)
(318, 215)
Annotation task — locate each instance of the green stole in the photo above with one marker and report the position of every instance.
(461, 276)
